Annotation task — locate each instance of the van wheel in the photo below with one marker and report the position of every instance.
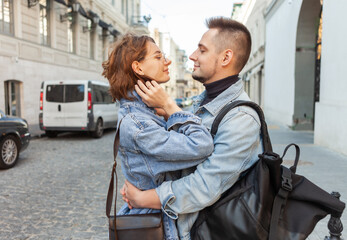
(9, 152)
(99, 130)
(51, 134)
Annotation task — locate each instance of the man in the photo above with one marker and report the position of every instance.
(221, 54)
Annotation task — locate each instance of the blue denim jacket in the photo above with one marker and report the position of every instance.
(237, 145)
(152, 149)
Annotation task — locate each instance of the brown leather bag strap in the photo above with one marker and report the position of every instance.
(111, 186)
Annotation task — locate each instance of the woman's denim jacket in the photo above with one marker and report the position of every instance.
(151, 149)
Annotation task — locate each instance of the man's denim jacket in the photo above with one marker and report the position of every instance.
(236, 148)
(151, 147)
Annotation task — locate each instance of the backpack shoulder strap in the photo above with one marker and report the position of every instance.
(263, 128)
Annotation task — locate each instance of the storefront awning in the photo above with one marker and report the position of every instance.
(103, 24)
(83, 12)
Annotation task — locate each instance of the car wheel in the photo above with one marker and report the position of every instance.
(9, 152)
(99, 130)
(51, 134)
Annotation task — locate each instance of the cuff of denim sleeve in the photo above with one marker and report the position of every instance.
(186, 237)
(181, 118)
(167, 197)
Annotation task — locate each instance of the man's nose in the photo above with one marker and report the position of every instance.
(193, 56)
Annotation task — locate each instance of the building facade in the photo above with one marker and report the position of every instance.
(251, 14)
(304, 68)
(56, 40)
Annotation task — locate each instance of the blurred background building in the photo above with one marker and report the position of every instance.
(57, 40)
(296, 68)
(295, 71)
(68, 39)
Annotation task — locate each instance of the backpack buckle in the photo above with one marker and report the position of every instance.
(287, 183)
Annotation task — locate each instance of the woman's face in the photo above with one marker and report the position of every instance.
(154, 65)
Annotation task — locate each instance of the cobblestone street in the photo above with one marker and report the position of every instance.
(58, 189)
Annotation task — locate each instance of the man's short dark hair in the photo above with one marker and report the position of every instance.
(232, 35)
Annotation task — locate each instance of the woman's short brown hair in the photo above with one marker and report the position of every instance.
(118, 69)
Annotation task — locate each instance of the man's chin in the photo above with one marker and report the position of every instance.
(198, 78)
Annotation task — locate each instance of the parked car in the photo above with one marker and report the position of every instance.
(187, 101)
(14, 138)
(179, 102)
(184, 102)
(76, 105)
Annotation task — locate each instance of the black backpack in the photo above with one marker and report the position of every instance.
(269, 201)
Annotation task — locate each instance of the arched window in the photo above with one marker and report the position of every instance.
(13, 97)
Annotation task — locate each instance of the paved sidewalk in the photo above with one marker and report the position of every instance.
(322, 166)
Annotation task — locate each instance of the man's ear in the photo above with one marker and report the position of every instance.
(227, 57)
(136, 66)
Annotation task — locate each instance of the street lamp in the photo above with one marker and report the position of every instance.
(32, 3)
(95, 19)
(75, 7)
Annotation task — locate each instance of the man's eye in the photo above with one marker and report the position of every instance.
(158, 57)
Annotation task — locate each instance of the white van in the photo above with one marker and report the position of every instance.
(76, 105)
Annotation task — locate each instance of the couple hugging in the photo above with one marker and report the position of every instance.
(168, 157)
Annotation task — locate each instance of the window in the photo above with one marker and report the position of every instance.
(55, 93)
(74, 93)
(92, 29)
(44, 22)
(105, 35)
(6, 17)
(12, 98)
(100, 94)
(65, 93)
(123, 7)
(70, 31)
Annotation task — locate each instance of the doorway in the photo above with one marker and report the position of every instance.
(13, 98)
(306, 74)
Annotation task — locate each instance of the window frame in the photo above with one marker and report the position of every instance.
(45, 24)
(10, 31)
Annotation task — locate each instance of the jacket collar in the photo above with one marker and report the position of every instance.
(230, 94)
(137, 102)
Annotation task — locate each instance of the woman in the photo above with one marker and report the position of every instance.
(151, 149)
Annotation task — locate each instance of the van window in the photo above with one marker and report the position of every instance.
(74, 93)
(54, 93)
(65, 93)
(100, 94)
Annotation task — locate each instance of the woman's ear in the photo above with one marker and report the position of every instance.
(227, 57)
(136, 66)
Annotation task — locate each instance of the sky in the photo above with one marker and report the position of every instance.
(184, 19)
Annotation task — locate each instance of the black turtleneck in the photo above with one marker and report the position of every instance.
(215, 88)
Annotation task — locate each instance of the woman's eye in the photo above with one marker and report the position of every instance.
(158, 57)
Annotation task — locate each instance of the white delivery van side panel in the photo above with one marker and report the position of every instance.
(108, 112)
(103, 107)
